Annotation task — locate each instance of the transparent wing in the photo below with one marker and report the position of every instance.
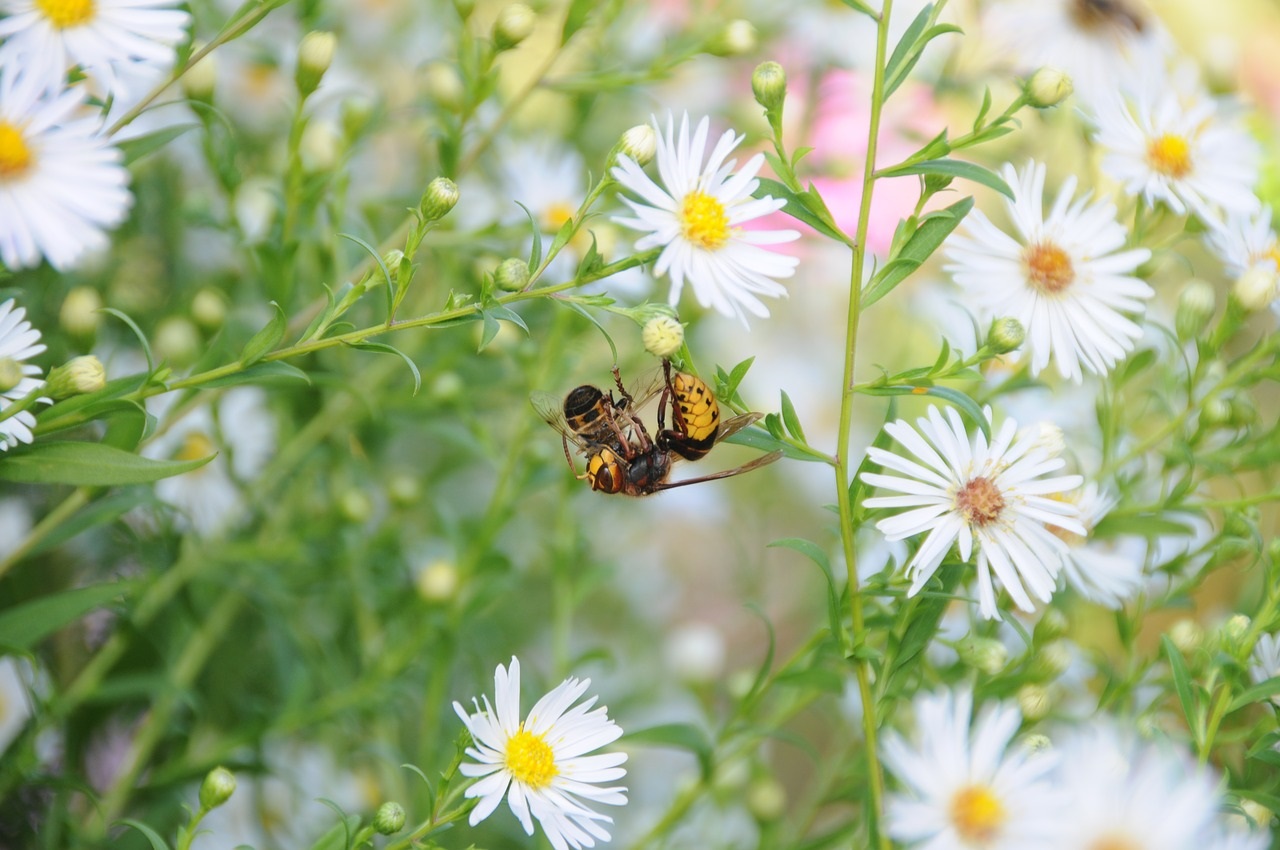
(763, 460)
(729, 427)
(551, 409)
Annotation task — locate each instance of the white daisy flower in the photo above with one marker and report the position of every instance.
(46, 38)
(19, 342)
(966, 788)
(961, 490)
(208, 499)
(1247, 245)
(1092, 569)
(1264, 663)
(1167, 143)
(1096, 43)
(697, 216)
(61, 183)
(1125, 793)
(540, 764)
(1066, 277)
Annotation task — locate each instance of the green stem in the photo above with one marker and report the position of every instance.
(862, 665)
(56, 517)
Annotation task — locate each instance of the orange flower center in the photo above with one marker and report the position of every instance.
(67, 13)
(976, 814)
(15, 154)
(980, 501)
(1114, 842)
(1049, 269)
(703, 220)
(1170, 155)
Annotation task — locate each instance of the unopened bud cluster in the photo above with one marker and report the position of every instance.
(639, 144)
(1006, 334)
(736, 39)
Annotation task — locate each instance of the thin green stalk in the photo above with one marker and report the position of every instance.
(862, 665)
(51, 521)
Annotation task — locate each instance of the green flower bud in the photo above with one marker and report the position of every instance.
(10, 374)
(512, 274)
(315, 54)
(355, 505)
(766, 799)
(1053, 624)
(444, 86)
(218, 786)
(1187, 635)
(984, 654)
(1195, 308)
(1273, 550)
(514, 25)
(1006, 334)
(438, 581)
(1036, 743)
(440, 197)
(464, 8)
(200, 80)
(79, 312)
(320, 146)
(404, 489)
(1216, 412)
(1243, 411)
(1235, 628)
(1051, 660)
(1048, 87)
(389, 819)
(209, 308)
(738, 37)
(640, 144)
(769, 83)
(1034, 701)
(177, 340)
(662, 336)
(77, 376)
(1257, 287)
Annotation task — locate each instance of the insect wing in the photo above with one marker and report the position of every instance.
(646, 388)
(762, 460)
(551, 409)
(732, 426)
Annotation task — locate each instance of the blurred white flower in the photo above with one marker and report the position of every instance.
(208, 499)
(1247, 244)
(15, 699)
(696, 216)
(19, 342)
(1096, 44)
(695, 652)
(1264, 663)
(960, 489)
(540, 764)
(61, 183)
(46, 39)
(965, 787)
(1091, 568)
(1066, 277)
(1167, 143)
(1122, 792)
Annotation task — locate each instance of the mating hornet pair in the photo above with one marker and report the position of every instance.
(621, 455)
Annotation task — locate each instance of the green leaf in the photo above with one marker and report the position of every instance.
(96, 513)
(139, 146)
(790, 419)
(800, 208)
(157, 843)
(490, 330)
(576, 18)
(814, 553)
(126, 422)
(952, 168)
(1182, 684)
(859, 6)
(88, 465)
(736, 374)
(266, 339)
(535, 253)
(25, 625)
(932, 232)
(813, 679)
(509, 315)
(339, 837)
(377, 258)
(967, 405)
(586, 314)
(383, 348)
(137, 331)
(1257, 693)
(682, 736)
(270, 372)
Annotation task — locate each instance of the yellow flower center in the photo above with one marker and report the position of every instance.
(555, 215)
(1272, 253)
(1049, 269)
(1170, 155)
(976, 814)
(703, 220)
(195, 446)
(980, 502)
(530, 759)
(1114, 842)
(67, 13)
(15, 153)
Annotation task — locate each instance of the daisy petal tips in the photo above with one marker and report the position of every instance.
(965, 491)
(540, 764)
(696, 217)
